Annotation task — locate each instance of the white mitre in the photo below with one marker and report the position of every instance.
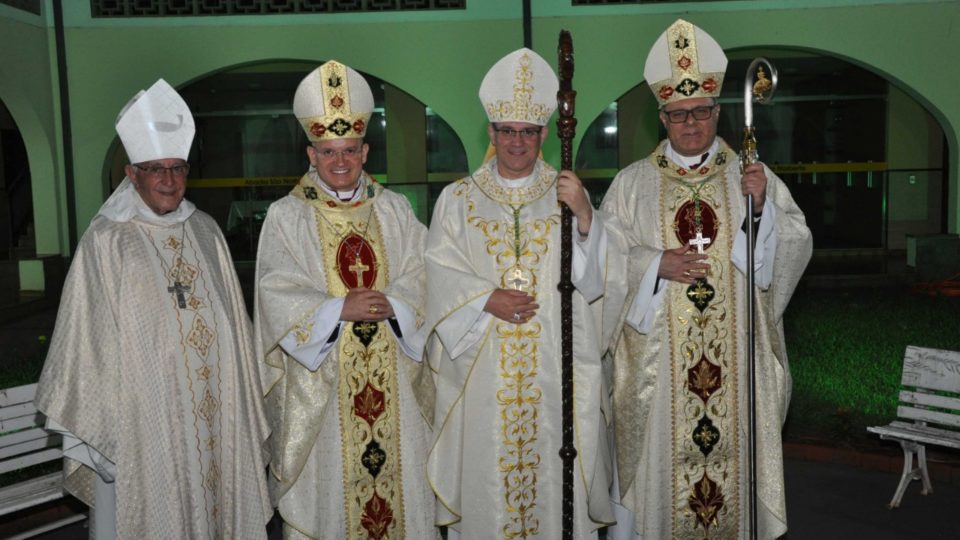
(156, 124)
(684, 62)
(520, 87)
(333, 102)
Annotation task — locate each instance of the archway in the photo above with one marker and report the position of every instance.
(16, 198)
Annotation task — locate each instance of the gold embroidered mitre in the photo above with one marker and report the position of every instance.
(333, 102)
(520, 87)
(684, 62)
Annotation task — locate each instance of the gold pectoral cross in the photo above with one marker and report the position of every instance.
(358, 268)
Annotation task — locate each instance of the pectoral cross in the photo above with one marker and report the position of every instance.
(517, 281)
(178, 289)
(699, 241)
(358, 268)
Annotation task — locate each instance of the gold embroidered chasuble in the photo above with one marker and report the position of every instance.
(359, 404)
(680, 393)
(159, 378)
(495, 467)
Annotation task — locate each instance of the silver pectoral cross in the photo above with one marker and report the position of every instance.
(178, 289)
(700, 242)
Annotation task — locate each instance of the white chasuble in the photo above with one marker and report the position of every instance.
(349, 441)
(680, 393)
(495, 465)
(151, 365)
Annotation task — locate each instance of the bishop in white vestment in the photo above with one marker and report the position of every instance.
(493, 315)
(681, 371)
(151, 375)
(340, 286)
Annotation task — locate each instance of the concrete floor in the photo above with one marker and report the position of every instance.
(825, 501)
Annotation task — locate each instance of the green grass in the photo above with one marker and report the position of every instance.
(22, 364)
(846, 355)
(845, 349)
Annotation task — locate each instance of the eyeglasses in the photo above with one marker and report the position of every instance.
(525, 133)
(329, 154)
(157, 171)
(679, 116)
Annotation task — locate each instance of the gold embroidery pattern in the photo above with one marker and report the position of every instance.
(519, 395)
(486, 182)
(209, 406)
(369, 416)
(201, 336)
(201, 367)
(519, 398)
(185, 272)
(522, 105)
(686, 80)
(704, 374)
(213, 477)
(502, 239)
(303, 331)
(715, 164)
(368, 390)
(339, 221)
(338, 119)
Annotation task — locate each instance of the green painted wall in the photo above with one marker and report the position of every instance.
(109, 64)
(905, 42)
(439, 59)
(27, 80)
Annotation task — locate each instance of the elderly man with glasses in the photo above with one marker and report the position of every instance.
(340, 288)
(151, 375)
(681, 385)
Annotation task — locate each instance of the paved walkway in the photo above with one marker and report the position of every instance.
(826, 501)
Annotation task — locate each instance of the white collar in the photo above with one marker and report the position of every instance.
(353, 194)
(125, 204)
(514, 183)
(691, 161)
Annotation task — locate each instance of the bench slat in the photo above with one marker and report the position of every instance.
(925, 415)
(930, 400)
(931, 368)
(43, 456)
(17, 394)
(13, 411)
(22, 436)
(30, 445)
(31, 493)
(922, 429)
(918, 433)
(20, 422)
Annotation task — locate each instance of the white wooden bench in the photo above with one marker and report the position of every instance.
(23, 443)
(928, 414)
